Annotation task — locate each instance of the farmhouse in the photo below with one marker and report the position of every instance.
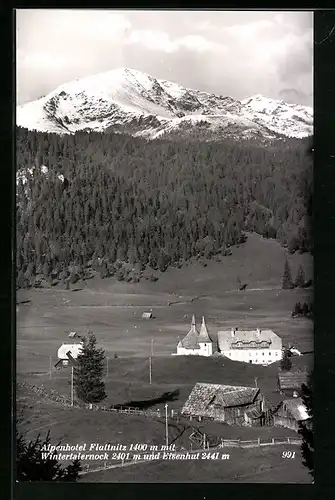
(250, 346)
(67, 353)
(290, 382)
(290, 413)
(225, 403)
(196, 343)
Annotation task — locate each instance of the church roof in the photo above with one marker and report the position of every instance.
(203, 335)
(190, 341)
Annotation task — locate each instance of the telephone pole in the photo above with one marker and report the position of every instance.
(72, 386)
(166, 426)
(50, 369)
(150, 361)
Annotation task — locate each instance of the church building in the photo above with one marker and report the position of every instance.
(196, 343)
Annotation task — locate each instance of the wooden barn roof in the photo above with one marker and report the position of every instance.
(204, 396)
(292, 380)
(147, 315)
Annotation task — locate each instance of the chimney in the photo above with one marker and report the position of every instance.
(233, 332)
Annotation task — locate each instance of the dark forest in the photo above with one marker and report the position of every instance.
(127, 205)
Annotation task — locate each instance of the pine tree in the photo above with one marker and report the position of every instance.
(287, 277)
(305, 309)
(285, 362)
(34, 462)
(89, 371)
(300, 279)
(297, 309)
(306, 427)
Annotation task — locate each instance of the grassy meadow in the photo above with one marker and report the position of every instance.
(253, 465)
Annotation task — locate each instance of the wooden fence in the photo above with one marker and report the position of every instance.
(54, 396)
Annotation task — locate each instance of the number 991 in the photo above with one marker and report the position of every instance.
(288, 454)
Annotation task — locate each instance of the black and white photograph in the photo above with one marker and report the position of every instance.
(164, 250)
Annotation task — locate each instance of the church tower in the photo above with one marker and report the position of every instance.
(204, 340)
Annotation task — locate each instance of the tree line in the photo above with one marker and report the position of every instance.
(304, 309)
(300, 280)
(125, 204)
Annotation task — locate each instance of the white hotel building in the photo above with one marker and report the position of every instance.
(261, 347)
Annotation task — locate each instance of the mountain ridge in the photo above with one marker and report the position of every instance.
(129, 101)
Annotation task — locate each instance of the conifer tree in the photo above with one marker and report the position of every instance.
(306, 427)
(305, 309)
(89, 371)
(297, 309)
(300, 279)
(287, 277)
(285, 362)
(34, 462)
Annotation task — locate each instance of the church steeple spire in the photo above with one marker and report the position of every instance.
(193, 322)
(203, 336)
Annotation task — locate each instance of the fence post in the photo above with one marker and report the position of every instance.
(288, 440)
(273, 440)
(259, 441)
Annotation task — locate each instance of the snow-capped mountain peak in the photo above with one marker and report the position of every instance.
(130, 101)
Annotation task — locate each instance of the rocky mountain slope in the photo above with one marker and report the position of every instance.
(129, 101)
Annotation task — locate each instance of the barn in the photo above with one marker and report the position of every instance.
(147, 315)
(290, 382)
(290, 413)
(234, 405)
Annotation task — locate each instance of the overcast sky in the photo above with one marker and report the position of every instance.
(234, 53)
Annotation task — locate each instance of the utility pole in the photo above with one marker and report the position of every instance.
(72, 386)
(150, 361)
(50, 369)
(204, 443)
(166, 426)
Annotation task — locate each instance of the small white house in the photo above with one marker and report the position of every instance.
(73, 349)
(261, 347)
(195, 343)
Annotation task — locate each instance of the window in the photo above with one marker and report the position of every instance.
(263, 353)
(269, 353)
